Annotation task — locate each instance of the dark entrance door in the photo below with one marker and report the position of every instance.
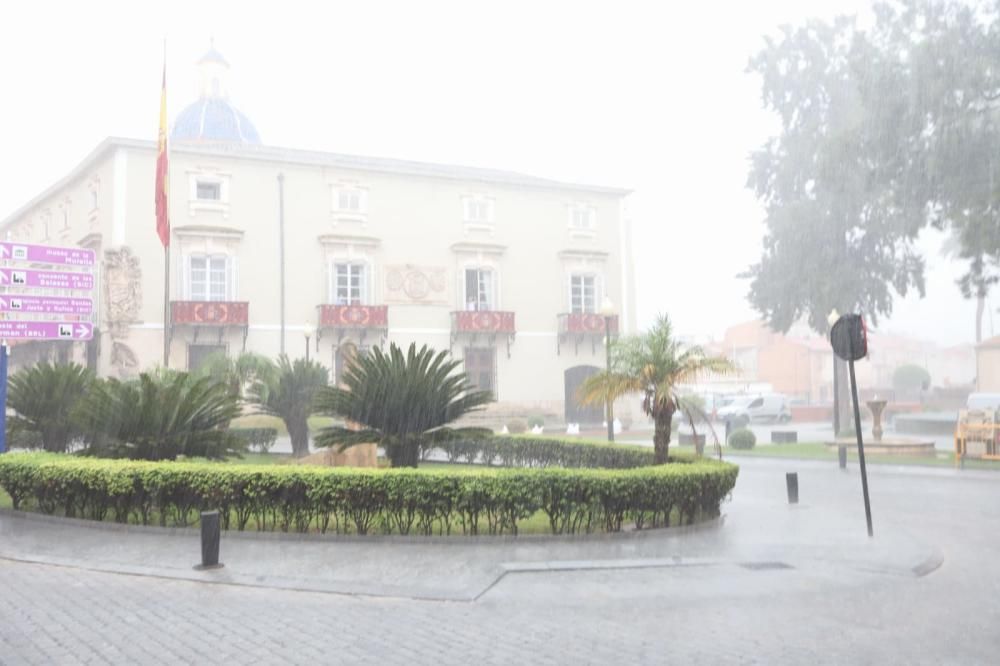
(575, 412)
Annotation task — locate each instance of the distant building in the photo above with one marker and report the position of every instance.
(988, 365)
(507, 270)
(800, 364)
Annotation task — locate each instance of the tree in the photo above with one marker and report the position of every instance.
(160, 418)
(910, 379)
(838, 182)
(403, 402)
(46, 399)
(653, 364)
(288, 394)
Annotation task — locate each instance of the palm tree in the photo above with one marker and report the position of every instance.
(240, 373)
(403, 402)
(45, 399)
(160, 418)
(288, 394)
(653, 364)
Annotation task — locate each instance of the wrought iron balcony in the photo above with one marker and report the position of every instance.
(488, 323)
(214, 314)
(360, 318)
(579, 326)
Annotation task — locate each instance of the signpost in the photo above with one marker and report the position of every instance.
(46, 293)
(850, 342)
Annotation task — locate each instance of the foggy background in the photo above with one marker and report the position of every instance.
(650, 96)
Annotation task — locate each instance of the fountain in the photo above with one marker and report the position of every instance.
(876, 406)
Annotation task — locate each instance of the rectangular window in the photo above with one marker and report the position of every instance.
(479, 289)
(209, 278)
(481, 368)
(349, 285)
(477, 210)
(349, 200)
(582, 217)
(583, 294)
(208, 191)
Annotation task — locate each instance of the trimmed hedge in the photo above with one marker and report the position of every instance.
(261, 439)
(364, 501)
(545, 452)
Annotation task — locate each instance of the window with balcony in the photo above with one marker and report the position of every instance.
(481, 368)
(480, 289)
(211, 278)
(348, 283)
(583, 296)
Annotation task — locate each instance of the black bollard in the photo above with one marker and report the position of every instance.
(842, 456)
(210, 537)
(792, 481)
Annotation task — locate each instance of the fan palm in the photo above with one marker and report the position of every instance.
(153, 418)
(288, 394)
(653, 364)
(241, 373)
(402, 401)
(45, 399)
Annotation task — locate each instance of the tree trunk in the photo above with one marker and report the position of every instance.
(403, 454)
(661, 436)
(299, 434)
(980, 307)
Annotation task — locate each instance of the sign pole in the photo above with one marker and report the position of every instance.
(166, 306)
(3, 396)
(861, 448)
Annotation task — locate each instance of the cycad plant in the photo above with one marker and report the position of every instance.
(153, 418)
(653, 364)
(288, 394)
(45, 399)
(404, 402)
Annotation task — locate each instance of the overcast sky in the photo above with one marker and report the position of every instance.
(647, 95)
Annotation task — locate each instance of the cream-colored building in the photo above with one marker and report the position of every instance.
(270, 245)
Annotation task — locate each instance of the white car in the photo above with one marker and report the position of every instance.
(746, 410)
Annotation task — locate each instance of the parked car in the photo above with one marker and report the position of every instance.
(743, 411)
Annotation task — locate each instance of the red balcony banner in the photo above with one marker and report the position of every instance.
(586, 322)
(354, 316)
(210, 313)
(483, 322)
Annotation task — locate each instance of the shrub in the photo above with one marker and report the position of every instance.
(536, 421)
(46, 400)
(259, 439)
(742, 438)
(288, 393)
(365, 501)
(528, 451)
(517, 426)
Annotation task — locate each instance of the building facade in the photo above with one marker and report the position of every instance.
(299, 252)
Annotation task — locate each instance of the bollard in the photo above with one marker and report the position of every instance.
(842, 456)
(210, 537)
(792, 481)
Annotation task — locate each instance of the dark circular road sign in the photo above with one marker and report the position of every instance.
(849, 338)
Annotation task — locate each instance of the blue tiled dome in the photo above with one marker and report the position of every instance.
(214, 119)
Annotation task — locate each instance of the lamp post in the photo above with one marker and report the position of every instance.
(308, 331)
(608, 311)
(832, 319)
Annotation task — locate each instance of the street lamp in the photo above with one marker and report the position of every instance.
(831, 319)
(608, 311)
(308, 331)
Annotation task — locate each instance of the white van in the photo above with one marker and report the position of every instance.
(984, 402)
(762, 408)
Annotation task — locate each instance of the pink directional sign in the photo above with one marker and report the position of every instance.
(14, 277)
(46, 304)
(46, 254)
(46, 330)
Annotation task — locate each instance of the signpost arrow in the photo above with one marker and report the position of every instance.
(48, 254)
(46, 279)
(62, 305)
(45, 330)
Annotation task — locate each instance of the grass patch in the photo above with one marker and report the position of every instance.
(267, 421)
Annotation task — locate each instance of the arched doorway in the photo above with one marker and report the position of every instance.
(575, 412)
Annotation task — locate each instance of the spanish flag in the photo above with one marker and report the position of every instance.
(162, 184)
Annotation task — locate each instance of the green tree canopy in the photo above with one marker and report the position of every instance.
(288, 394)
(46, 399)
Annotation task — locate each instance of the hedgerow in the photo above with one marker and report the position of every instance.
(366, 501)
(545, 452)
